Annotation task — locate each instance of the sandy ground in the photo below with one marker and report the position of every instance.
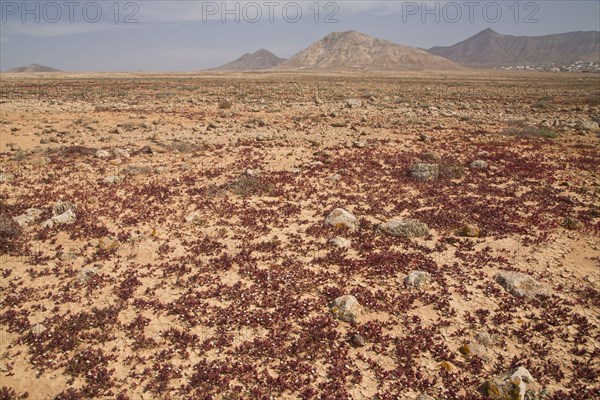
(205, 269)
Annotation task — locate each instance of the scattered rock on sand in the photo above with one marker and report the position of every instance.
(425, 172)
(417, 279)
(404, 228)
(510, 386)
(519, 284)
(341, 218)
(345, 308)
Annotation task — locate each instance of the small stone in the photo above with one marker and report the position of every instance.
(341, 218)
(28, 217)
(510, 386)
(404, 228)
(121, 153)
(345, 308)
(68, 217)
(112, 179)
(519, 284)
(340, 242)
(37, 329)
(102, 154)
(432, 156)
(353, 103)
(469, 230)
(423, 396)
(357, 340)
(6, 177)
(425, 172)
(87, 274)
(479, 164)
(572, 223)
(61, 206)
(417, 279)
(588, 126)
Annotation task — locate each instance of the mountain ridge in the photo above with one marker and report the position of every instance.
(489, 48)
(261, 59)
(33, 68)
(352, 50)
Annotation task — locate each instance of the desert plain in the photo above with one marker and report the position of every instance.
(168, 236)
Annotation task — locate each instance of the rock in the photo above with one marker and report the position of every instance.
(68, 217)
(121, 153)
(572, 223)
(474, 348)
(37, 329)
(353, 103)
(102, 154)
(432, 156)
(519, 284)
(479, 164)
(588, 126)
(341, 218)
(148, 150)
(61, 206)
(424, 138)
(358, 144)
(112, 179)
(193, 216)
(425, 172)
(86, 274)
(340, 242)
(6, 177)
(404, 228)
(423, 396)
(417, 279)
(357, 340)
(510, 386)
(28, 217)
(345, 308)
(469, 230)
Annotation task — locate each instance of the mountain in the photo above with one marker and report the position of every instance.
(351, 51)
(34, 68)
(492, 49)
(259, 60)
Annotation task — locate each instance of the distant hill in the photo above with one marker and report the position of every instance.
(259, 60)
(34, 68)
(351, 51)
(492, 49)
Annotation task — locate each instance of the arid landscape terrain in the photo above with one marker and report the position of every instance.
(298, 235)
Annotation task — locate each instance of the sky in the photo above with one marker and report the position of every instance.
(174, 35)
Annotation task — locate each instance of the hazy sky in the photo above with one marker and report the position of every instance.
(110, 35)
